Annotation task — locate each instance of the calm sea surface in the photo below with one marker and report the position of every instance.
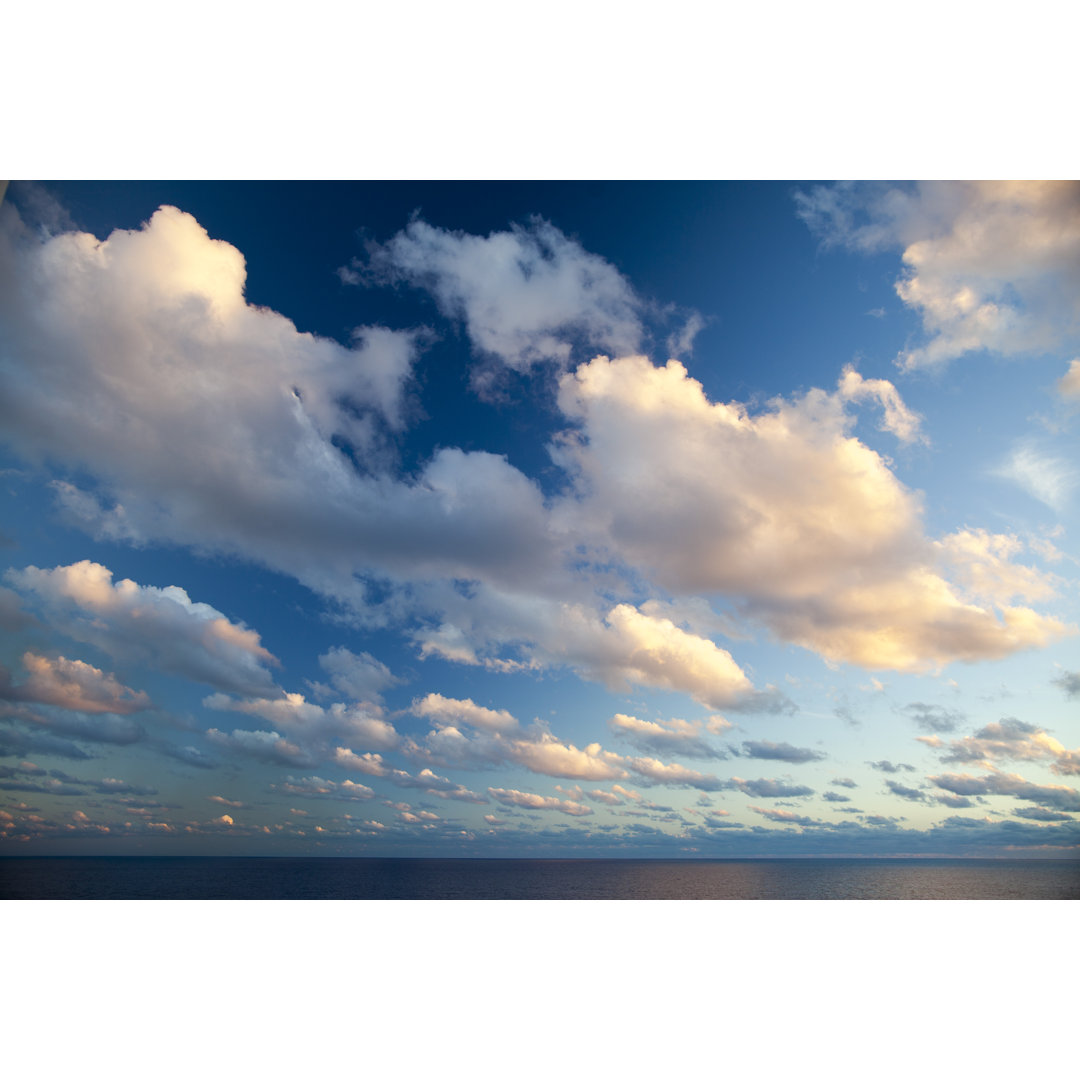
(166, 878)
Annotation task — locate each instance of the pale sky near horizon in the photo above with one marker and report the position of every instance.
(660, 520)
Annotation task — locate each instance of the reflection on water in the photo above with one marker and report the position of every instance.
(139, 878)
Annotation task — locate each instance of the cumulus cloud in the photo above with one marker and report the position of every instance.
(770, 789)
(446, 712)
(609, 798)
(934, 718)
(162, 627)
(267, 746)
(1010, 740)
(773, 527)
(786, 817)
(835, 796)
(987, 265)
(1069, 681)
(684, 737)
(529, 801)
(72, 684)
(526, 296)
(997, 783)
(17, 741)
(891, 767)
(770, 751)
(358, 675)
(897, 417)
(911, 794)
(674, 775)
(315, 787)
(306, 734)
(1039, 813)
(94, 727)
(1069, 384)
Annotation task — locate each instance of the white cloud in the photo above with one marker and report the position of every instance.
(445, 712)
(209, 422)
(673, 736)
(897, 418)
(313, 727)
(529, 801)
(164, 627)
(315, 787)
(804, 524)
(673, 775)
(987, 265)
(1044, 476)
(262, 745)
(358, 675)
(526, 296)
(1008, 740)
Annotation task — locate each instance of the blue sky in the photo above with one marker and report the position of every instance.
(675, 520)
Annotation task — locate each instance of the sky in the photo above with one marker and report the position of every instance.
(677, 520)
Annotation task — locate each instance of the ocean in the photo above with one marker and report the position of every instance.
(193, 878)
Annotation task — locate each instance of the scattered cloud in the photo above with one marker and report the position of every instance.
(1043, 475)
(786, 817)
(1010, 740)
(934, 718)
(998, 783)
(529, 801)
(72, 684)
(526, 296)
(450, 712)
(987, 265)
(911, 794)
(770, 789)
(143, 623)
(771, 751)
(684, 737)
(357, 675)
(889, 767)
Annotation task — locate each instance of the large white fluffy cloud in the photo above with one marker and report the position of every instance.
(187, 414)
(211, 422)
(789, 512)
(987, 265)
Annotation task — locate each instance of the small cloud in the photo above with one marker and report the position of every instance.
(771, 751)
(1069, 681)
(1041, 474)
(889, 767)
(1069, 384)
(934, 718)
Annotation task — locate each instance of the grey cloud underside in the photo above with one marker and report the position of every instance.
(770, 751)
(1069, 681)
(934, 718)
(1053, 796)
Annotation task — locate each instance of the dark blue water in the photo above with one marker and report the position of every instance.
(167, 878)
